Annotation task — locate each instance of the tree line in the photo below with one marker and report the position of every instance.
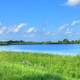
(65, 41)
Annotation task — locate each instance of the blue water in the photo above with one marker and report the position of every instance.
(63, 49)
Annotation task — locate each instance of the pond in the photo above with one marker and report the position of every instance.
(62, 49)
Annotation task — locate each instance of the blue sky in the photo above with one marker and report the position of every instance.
(39, 20)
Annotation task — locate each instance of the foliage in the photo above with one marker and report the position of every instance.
(29, 66)
(65, 41)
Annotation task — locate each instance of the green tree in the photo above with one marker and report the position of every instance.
(66, 41)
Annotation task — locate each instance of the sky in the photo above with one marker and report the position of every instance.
(39, 20)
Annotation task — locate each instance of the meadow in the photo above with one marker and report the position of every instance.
(36, 66)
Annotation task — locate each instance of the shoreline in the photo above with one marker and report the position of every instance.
(38, 53)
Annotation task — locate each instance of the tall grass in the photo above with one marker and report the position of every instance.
(28, 66)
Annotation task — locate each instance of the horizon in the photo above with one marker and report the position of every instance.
(40, 41)
(34, 20)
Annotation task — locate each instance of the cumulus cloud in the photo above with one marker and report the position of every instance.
(31, 30)
(18, 27)
(73, 2)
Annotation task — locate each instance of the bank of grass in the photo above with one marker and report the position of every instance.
(29, 66)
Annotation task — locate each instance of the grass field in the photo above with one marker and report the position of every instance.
(21, 66)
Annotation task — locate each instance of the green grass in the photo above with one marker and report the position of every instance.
(28, 66)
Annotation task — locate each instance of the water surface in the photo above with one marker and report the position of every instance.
(65, 49)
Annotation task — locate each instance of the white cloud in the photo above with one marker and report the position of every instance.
(68, 28)
(63, 27)
(18, 27)
(73, 2)
(75, 22)
(2, 30)
(68, 31)
(61, 30)
(31, 30)
(48, 33)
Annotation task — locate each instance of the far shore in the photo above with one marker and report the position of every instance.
(21, 42)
